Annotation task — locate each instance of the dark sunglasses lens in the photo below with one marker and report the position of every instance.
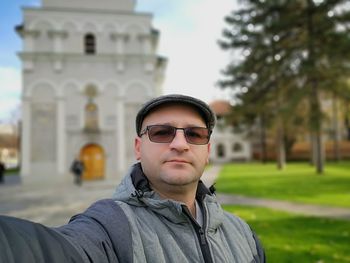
(197, 135)
(160, 133)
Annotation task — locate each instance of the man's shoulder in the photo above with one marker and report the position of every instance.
(235, 223)
(103, 222)
(104, 209)
(234, 220)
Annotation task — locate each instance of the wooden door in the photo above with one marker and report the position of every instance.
(93, 158)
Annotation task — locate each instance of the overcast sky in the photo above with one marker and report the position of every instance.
(189, 30)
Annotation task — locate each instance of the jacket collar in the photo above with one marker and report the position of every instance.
(136, 191)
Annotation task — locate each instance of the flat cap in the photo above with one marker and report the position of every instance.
(204, 110)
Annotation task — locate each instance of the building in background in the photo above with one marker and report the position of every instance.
(228, 143)
(87, 66)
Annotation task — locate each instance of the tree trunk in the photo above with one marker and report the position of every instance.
(312, 160)
(281, 152)
(263, 151)
(315, 107)
(336, 148)
(347, 120)
(347, 129)
(319, 153)
(316, 127)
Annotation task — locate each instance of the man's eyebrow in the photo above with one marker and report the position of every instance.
(189, 125)
(161, 123)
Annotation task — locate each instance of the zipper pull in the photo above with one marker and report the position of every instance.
(202, 236)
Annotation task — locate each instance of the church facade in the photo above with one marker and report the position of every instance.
(87, 66)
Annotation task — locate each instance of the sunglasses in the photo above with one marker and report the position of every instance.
(166, 134)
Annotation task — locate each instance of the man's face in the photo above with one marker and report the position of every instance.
(176, 163)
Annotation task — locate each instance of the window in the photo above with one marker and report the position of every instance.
(220, 151)
(237, 147)
(91, 110)
(90, 44)
(91, 116)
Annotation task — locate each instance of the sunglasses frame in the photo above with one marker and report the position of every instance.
(185, 130)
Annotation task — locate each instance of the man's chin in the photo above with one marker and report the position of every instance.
(177, 169)
(179, 176)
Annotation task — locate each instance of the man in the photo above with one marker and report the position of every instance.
(77, 168)
(161, 211)
(2, 172)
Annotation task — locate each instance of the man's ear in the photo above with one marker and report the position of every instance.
(137, 148)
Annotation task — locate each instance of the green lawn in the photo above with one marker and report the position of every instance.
(297, 182)
(294, 238)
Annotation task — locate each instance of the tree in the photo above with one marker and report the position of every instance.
(288, 58)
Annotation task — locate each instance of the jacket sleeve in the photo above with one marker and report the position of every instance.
(25, 241)
(101, 234)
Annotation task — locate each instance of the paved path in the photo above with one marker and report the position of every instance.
(306, 209)
(211, 174)
(52, 205)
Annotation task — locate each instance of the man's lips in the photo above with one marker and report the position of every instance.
(177, 161)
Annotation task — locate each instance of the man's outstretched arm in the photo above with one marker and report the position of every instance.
(25, 241)
(101, 235)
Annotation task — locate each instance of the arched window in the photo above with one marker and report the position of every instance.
(237, 147)
(90, 44)
(220, 149)
(91, 110)
(91, 117)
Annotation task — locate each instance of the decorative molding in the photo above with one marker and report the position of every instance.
(57, 33)
(30, 33)
(119, 36)
(144, 37)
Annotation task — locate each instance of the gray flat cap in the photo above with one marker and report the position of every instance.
(203, 108)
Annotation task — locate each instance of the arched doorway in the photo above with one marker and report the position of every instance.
(93, 158)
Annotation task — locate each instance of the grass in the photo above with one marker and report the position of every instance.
(297, 182)
(294, 238)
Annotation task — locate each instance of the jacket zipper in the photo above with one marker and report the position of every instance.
(203, 242)
(204, 245)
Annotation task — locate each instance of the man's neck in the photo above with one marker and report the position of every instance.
(186, 195)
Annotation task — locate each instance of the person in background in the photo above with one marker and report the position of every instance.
(2, 172)
(77, 168)
(160, 212)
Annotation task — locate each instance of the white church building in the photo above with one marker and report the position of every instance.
(87, 66)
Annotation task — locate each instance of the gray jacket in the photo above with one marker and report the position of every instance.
(164, 231)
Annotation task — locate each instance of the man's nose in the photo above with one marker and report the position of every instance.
(179, 142)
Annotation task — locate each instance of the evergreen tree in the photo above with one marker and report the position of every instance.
(293, 51)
